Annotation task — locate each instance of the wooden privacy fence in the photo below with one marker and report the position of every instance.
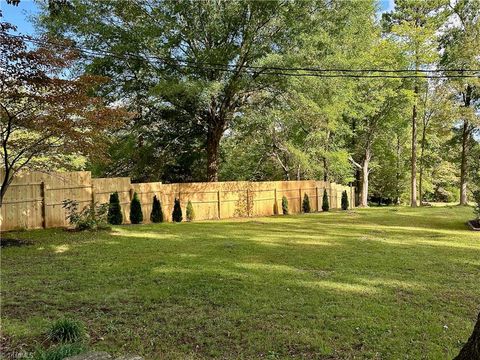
(34, 200)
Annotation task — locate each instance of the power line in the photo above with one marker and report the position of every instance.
(276, 70)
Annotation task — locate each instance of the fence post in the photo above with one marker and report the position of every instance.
(218, 204)
(316, 198)
(44, 205)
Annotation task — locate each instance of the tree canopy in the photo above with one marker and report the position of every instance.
(270, 90)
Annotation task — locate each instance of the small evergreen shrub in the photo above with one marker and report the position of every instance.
(58, 352)
(190, 213)
(66, 331)
(177, 211)
(306, 204)
(136, 215)
(344, 200)
(284, 205)
(156, 215)
(91, 217)
(325, 205)
(114, 215)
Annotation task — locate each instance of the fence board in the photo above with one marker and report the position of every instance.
(24, 200)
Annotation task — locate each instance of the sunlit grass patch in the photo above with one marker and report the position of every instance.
(366, 283)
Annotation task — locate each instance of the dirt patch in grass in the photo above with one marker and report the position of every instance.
(14, 242)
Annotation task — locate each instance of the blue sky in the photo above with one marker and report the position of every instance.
(19, 15)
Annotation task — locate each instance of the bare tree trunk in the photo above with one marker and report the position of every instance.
(4, 187)
(214, 135)
(364, 177)
(7, 174)
(463, 165)
(471, 350)
(397, 175)
(325, 169)
(422, 152)
(358, 186)
(413, 195)
(467, 97)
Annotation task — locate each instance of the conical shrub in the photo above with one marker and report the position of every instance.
(156, 215)
(190, 212)
(114, 215)
(325, 205)
(306, 204)
(136, 215)
(344, 200)
(177, 211)
(284, 205)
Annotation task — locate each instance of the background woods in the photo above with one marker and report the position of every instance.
(259, 91)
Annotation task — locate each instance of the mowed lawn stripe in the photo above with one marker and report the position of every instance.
(387, 283)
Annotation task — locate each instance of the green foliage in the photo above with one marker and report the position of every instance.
(344, 200)
(226, 32)
(190, 213)
(91, 217)
(284, 205)
(156, 215)
(66, 330)
(136, 215)
(58, 352)
(306, 204)
(177, 215)
(325, 205)
(114, 216)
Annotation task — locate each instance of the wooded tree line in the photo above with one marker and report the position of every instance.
(272, 90)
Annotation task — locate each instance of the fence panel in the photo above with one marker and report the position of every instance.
(34, 200)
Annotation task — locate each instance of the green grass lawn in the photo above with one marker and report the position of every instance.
(367, 284)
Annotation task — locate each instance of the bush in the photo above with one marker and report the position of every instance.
(114, 215)
(284, 205)
(190, 213)
(306, 204)
(66, 330)
(91, 217)
(177, 211)
(59, 352)
(344, 200)
(156, 215)
(325, 206)
(136, 215)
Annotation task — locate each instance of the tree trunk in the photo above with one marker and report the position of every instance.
(5, 182)
(358, 186)
(325, 169)
(471, 350)
(413, 195)
(465, 137)
(364, 178)
(422, 152)
(463, 166)
(397, 175)
(214, 135)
